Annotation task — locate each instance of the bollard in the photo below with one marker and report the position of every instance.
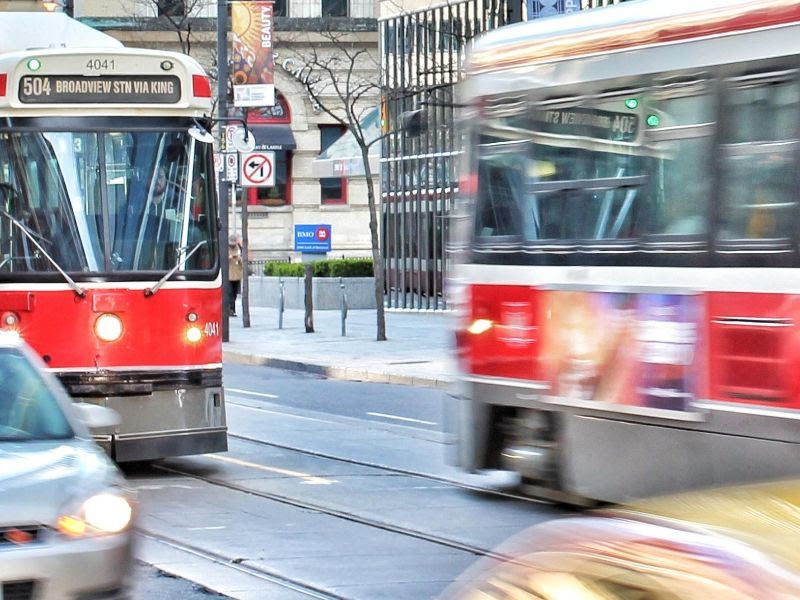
(280, 304)
(343, 306)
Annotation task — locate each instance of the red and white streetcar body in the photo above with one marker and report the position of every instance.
(109, 251)
(628, 248)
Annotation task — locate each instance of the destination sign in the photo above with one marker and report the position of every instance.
(106, 89)
(588, 122)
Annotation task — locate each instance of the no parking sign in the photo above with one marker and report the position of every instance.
(258, 169)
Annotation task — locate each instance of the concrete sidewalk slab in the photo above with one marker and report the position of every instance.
(419, 349)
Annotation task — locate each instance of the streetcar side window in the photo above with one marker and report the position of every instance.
(200, 209)
(499, 198)
(620, 170)
(758, 154)
(679, 128)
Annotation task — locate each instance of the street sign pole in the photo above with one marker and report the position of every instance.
(245, 262)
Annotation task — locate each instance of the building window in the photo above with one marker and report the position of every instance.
(279, 8)
(334, 8)
(364, 9)
(281, 193)
(333, 190)
(171, 8)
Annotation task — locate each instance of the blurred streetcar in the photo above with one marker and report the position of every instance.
(628, 247)
(109, 258)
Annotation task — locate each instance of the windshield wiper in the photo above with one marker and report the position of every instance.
(178, 265)
(32, 237)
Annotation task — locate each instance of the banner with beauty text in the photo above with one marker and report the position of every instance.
(253, 55)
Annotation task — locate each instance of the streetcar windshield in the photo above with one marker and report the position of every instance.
(104, 201)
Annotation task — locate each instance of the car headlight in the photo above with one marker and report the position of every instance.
(105, 513)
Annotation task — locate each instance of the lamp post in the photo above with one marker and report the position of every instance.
(222, 109)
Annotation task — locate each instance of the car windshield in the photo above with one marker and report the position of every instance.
(104, 201)
(28, 408)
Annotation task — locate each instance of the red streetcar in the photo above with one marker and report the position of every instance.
(109, 252)
(630, 249)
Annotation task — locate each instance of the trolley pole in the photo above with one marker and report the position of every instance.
(222, 189)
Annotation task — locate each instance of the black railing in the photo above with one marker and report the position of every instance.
(422, 55)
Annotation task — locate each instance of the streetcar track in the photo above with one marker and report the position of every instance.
(259, 573)
(346, 516)
(394, 470)
(310, 590)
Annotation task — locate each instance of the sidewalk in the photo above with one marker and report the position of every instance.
(419, 349)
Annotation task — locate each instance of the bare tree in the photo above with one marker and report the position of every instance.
(192, 23)
(340, 79)
(178, 16)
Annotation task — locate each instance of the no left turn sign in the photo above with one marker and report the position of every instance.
(258, 169)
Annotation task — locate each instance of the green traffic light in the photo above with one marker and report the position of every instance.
(653, 120)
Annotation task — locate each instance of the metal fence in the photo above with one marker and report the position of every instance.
(422, 55)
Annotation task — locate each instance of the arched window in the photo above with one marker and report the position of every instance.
(279, 113)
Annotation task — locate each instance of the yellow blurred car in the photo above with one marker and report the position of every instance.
(740, 543)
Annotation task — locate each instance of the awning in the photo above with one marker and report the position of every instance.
(343, 157)
(45, 30)
(273, 136)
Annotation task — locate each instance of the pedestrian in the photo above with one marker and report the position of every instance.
(235, 271)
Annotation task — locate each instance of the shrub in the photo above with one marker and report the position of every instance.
(351, 267)
(279, 269)
(322, 268)
(337, 267)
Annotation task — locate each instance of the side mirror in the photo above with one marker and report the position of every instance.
(411, 122)
(201, 135)
(95, 416)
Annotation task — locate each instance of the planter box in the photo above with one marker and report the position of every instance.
(265, 291)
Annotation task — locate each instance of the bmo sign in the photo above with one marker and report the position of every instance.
(312, 238)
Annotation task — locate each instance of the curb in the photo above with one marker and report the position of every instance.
(341, 373)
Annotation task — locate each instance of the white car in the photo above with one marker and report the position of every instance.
(66, 517)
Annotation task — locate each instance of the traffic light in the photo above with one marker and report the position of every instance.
(64, 6)
(53, 5)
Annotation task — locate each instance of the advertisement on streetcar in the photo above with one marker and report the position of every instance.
(622, 348)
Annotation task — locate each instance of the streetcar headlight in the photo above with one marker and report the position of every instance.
(105, 513)
(108, 327)
(10, 319)
(194, 334)
(479, 326)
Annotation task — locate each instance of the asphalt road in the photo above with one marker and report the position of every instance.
(329, 489)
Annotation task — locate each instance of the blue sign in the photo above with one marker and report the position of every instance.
(547, 8)
(312, 238)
